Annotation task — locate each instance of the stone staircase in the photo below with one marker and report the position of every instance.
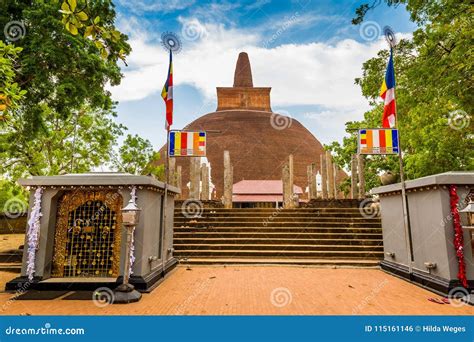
(10, 261)
(309, 236)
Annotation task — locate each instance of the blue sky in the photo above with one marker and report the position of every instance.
(307, 51)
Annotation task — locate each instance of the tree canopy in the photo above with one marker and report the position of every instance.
(136, 156)
(63, 121)
(434, 93)
(58, 115)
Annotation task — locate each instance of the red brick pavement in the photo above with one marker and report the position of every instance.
(259, 290)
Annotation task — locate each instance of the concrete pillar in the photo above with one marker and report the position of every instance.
(334, 180)
(205, 182)
(228, 181)
(287, 188)
(309, 172)
(324, 176)
(313, 179)
(361, 170)
(292, 174)
(194, 177)
(293, 199)
(330, 174)
(179, 180)
(313, 192)
(353, 176)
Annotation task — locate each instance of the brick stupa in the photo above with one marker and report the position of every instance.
(247, 130)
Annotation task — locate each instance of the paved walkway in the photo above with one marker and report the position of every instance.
(262, 290)
(11, 241)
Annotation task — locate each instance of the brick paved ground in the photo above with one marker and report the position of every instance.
(247, 290)
(11, 241)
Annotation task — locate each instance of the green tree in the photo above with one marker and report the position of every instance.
(78, 18)
(65, 121)
(434, 92)
(13, 198)
(10, 92)
(76, 144)
(136, 156)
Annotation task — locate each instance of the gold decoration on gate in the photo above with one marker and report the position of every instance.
(88, 236)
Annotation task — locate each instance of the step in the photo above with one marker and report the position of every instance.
(253, 210)
(199, 234)
(10, 267)
(293, 230)
(264, 223)
(275, 225)
(278, 219)
(278, 253)
(11, 256)
(276, 241)
(277, 261)
(279, 248)
(272, 215)
(312, 236)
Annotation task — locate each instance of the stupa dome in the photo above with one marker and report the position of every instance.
(258, 140)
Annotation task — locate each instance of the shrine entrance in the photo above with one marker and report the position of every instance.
(88, 233)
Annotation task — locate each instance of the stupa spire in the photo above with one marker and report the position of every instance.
(243, 72)
(243, 95)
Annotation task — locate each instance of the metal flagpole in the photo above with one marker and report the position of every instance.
(406, 220)
(171, 43)
(165, 198)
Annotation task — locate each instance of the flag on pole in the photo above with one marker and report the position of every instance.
(183, 143)
(387, 92)
(378, 141)
(167, 95)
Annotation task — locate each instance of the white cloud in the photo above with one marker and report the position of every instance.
(329, 124)
(140, 6)
(320, 74)
(311, 74)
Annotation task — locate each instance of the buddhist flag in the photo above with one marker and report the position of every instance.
(378, 141)
(167, 94)
(387, 92)
(187, 144)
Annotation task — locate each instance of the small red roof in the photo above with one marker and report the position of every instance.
(261, 187)
(257, 198)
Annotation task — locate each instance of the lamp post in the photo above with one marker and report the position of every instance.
(469, 211)
(126, 293)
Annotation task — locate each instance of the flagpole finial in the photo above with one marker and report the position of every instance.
(390, 36)
(171, 42)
